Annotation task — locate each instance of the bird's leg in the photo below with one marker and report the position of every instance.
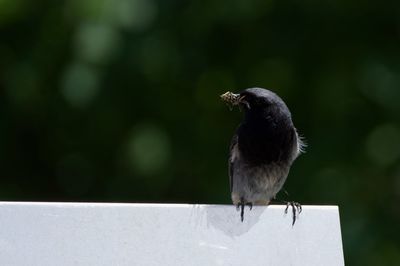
(242, 209)
(296, 210)
(293, 204)
(240, 206)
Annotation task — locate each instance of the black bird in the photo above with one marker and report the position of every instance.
(262, 150)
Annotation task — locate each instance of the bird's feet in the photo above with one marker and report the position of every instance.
(296, 210)
(240, 206)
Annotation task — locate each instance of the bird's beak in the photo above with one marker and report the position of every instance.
(233, 99)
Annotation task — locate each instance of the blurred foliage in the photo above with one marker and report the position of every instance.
(118, 100)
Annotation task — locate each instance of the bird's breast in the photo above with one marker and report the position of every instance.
(266, 141)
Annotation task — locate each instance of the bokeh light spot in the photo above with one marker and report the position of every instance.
(148, 149)
(129, 14)
(97, 43)
(383, 144)
(80, 85)
(381, 84)
(136, 14)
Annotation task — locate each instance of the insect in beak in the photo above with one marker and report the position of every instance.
(233, 99)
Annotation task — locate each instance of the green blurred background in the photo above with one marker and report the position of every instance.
(118, 100)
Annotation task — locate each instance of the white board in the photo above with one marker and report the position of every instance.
(58, 234)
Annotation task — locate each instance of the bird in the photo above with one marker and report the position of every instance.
(262, 150)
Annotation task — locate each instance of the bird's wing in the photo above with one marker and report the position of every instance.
(233, 156)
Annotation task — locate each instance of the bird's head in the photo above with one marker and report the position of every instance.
(253, 98)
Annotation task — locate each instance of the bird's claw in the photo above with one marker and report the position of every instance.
(296, 210)
(250, 204)
(240, 206)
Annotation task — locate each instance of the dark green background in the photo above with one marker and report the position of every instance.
(118, 100)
